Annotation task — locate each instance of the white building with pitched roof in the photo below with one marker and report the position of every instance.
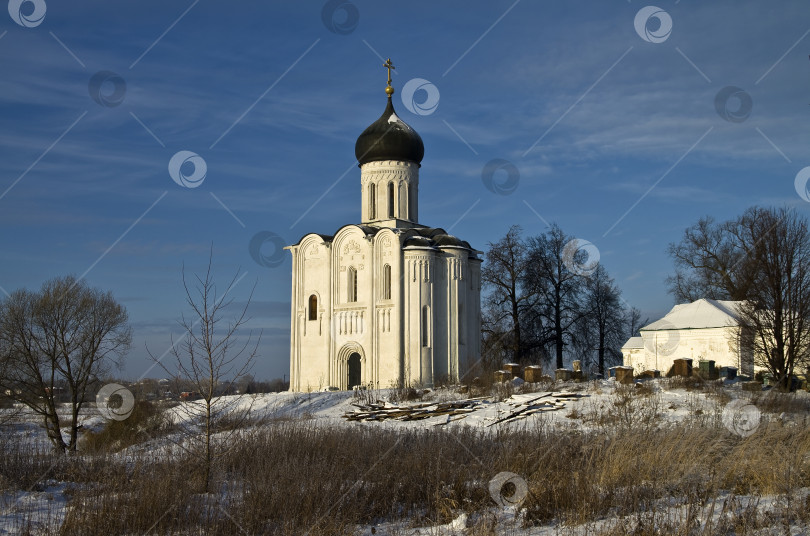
(704, 329)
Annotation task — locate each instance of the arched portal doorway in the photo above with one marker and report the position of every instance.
(354, 370)
(350, 365)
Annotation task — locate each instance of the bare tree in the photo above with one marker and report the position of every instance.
(761, 259)
(602, 327)
(496, 343)
(556, 288)
(775, 315)
(503, 275)
(65, 334)
(634, 323)
(210, 358)
(711, 261)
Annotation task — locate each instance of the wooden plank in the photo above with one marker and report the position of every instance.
(518, 412)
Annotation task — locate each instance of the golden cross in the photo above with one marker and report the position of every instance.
(388, 65)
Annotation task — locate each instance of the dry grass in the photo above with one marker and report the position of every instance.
(690, 383)
(778, 402)
(634, 407)
(297, 477)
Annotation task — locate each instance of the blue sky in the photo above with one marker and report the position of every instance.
(614, 132)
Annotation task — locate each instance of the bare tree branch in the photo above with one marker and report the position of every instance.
(209, 361)
(66, 334)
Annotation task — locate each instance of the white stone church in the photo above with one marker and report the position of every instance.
(388, 301)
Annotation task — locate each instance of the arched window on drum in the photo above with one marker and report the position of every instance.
(313, 307)
(387, 282)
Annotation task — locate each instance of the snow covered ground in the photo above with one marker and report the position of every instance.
(715, 517)
(592, 407)
(596, 402)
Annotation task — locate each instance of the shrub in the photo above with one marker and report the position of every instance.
(143, 424)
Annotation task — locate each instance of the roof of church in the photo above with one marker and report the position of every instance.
(703, 313)
(424, 237)
(633, 342)
(389, 138)
(433, 237)
(368, 230)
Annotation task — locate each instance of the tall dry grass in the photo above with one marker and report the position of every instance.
(296, 477)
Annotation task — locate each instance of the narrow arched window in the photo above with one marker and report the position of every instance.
(390, 199)
(313, 307)
(407, 200)
(387, 282)
(351, 286)
(425, 325)
(412, 203)
(372, 201)
(462, 324)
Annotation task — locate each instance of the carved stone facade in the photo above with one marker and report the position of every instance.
(386, 302)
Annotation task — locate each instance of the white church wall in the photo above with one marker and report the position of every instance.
(419, 315)
(636, 358)
(315, 259)
(473, 317)
(387, 334)
(305, 343)
(451, 300)
(295, 349)
(442, 333)
(661, 348)
(352, 316)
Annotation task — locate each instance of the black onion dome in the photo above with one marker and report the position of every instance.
(389, 138)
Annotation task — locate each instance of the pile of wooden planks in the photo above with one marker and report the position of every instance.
(416, 412)
(524, 406)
